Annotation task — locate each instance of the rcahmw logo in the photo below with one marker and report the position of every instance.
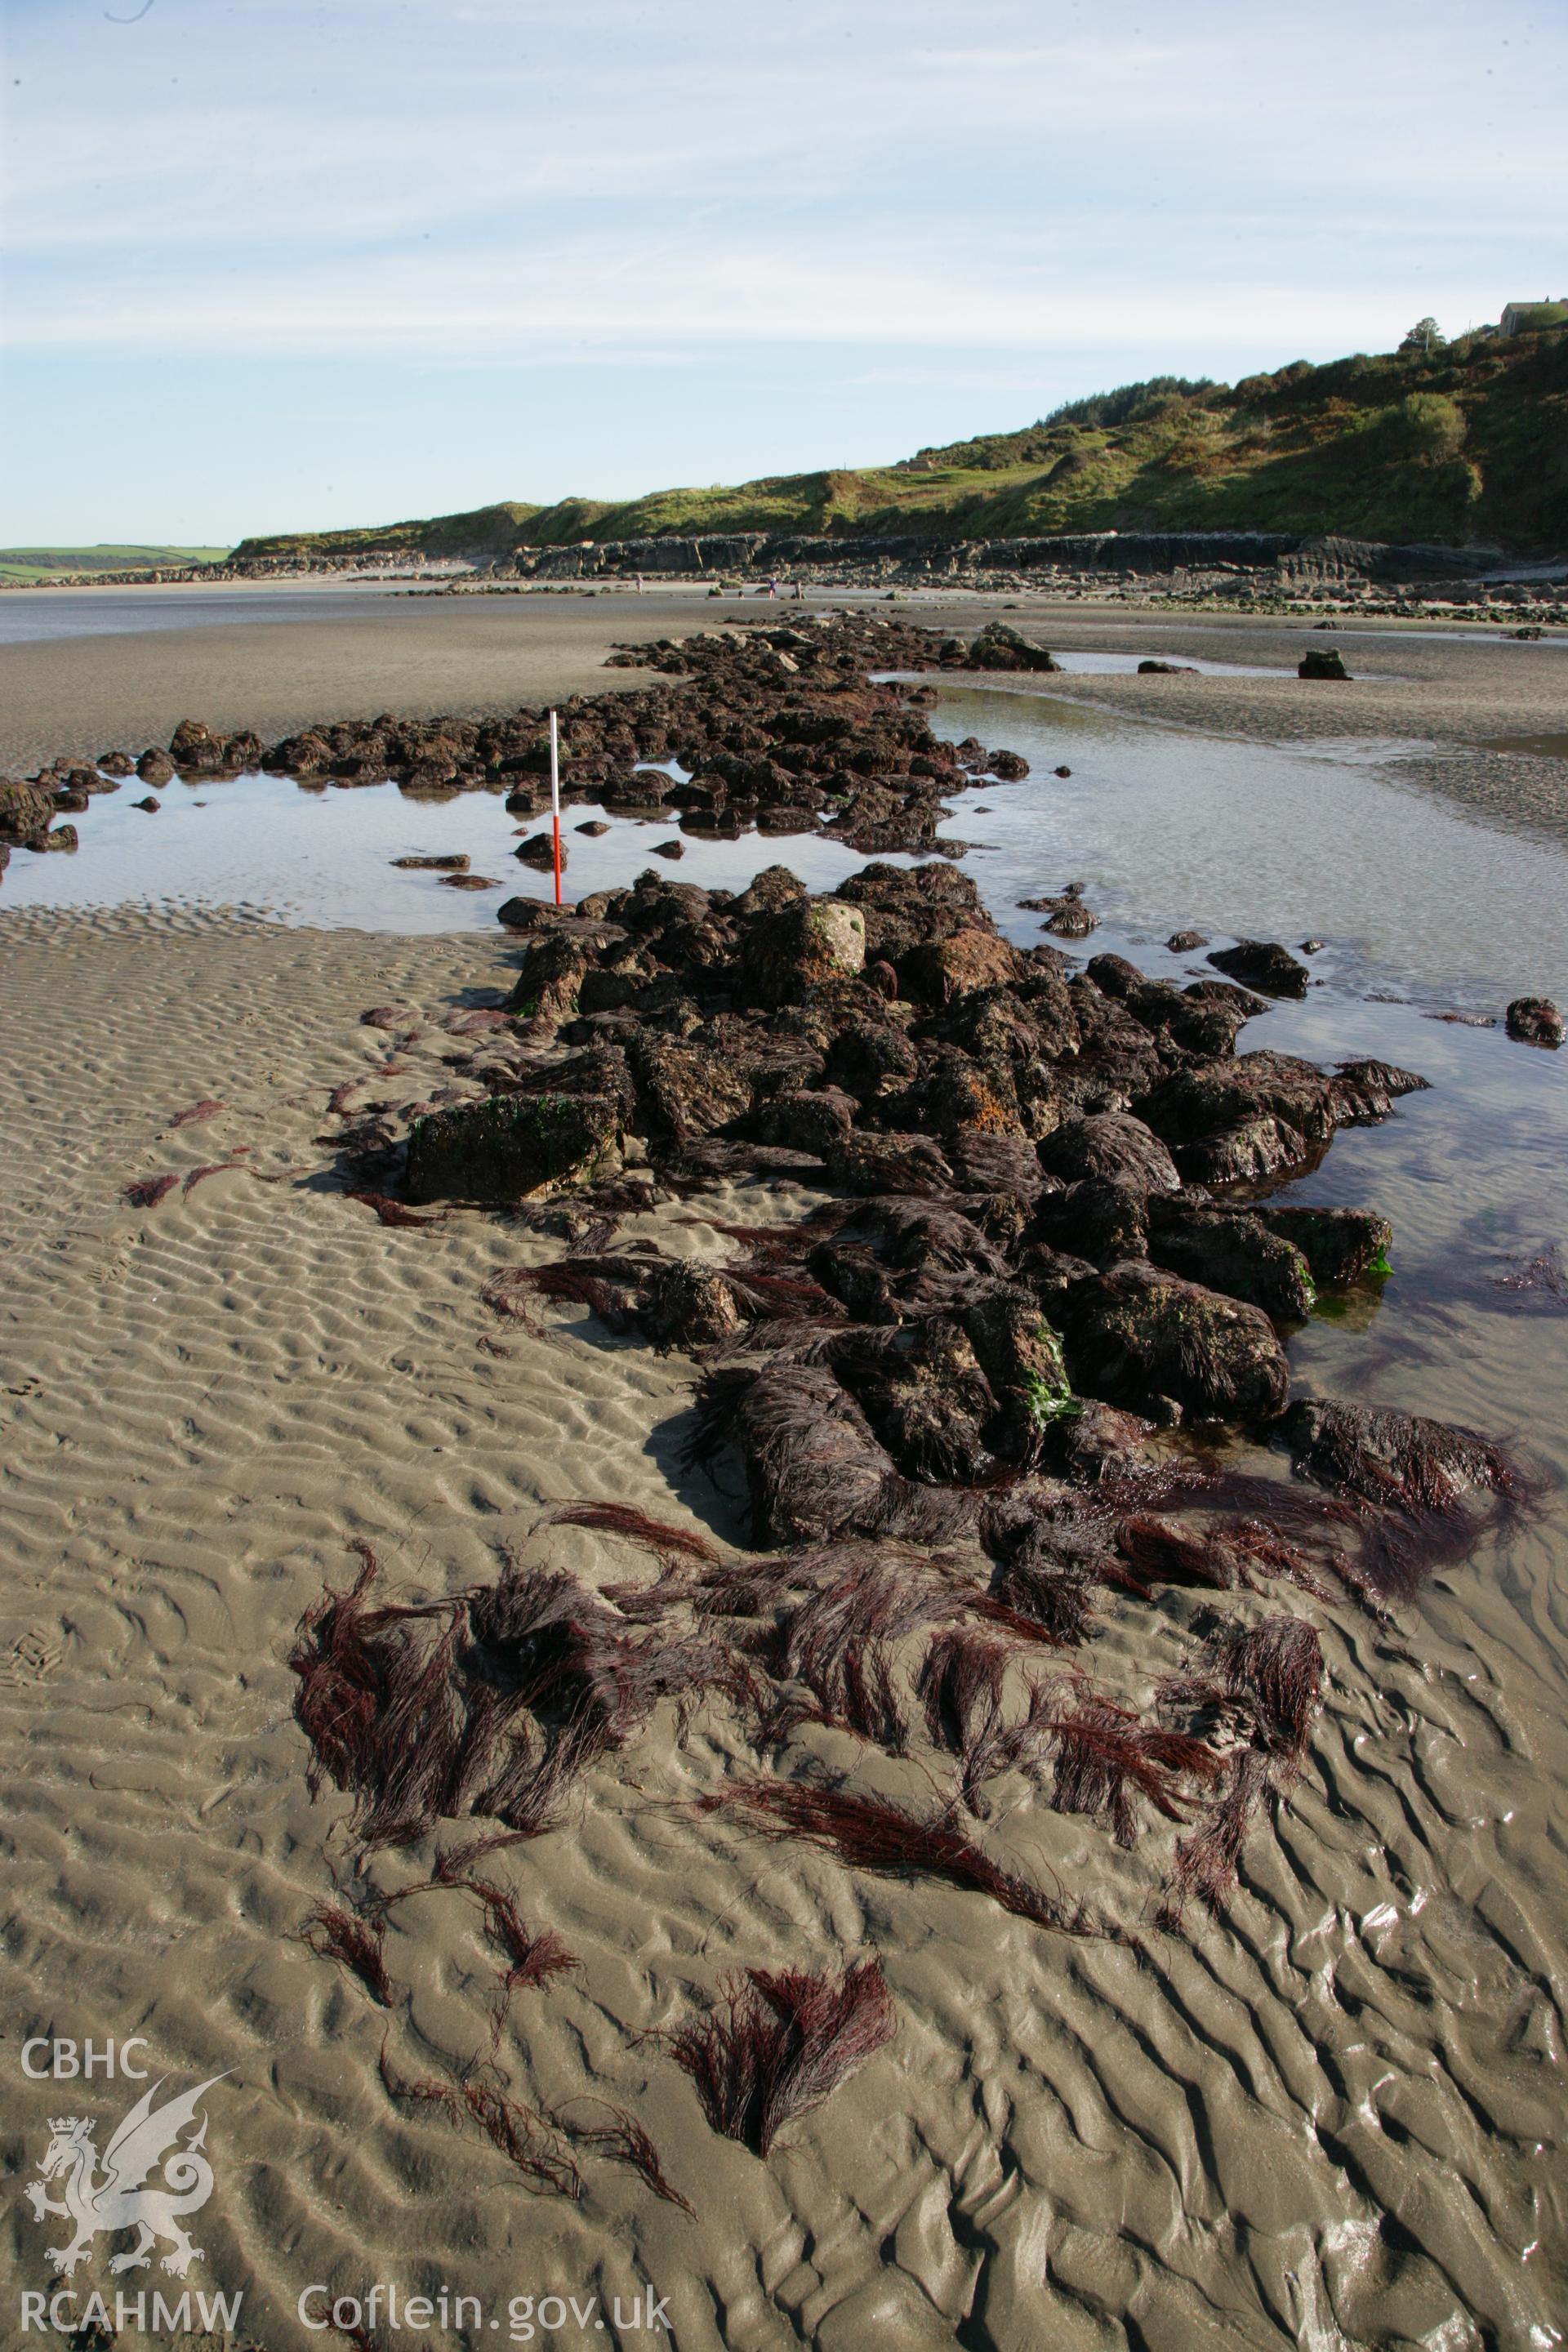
(152, 2175)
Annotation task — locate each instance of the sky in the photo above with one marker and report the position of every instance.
(275, 265)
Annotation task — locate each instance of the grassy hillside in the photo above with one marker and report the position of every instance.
(484, 533)
(1466, 444)
(57, 562)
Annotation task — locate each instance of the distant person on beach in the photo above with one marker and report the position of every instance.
(773, 587)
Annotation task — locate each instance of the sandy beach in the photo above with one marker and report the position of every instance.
(1326, 2118)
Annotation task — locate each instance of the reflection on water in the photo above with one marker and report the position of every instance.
(1170, 828)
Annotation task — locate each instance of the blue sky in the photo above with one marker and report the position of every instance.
(274, 263)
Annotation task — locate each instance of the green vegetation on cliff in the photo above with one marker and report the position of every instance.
(1463, 444)
(28, 563)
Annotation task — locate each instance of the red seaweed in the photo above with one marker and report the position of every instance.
(392, 1212)
(870, 1833)
(146, 1192)
(623, 2141)
(334, 1933)
(775, 2046)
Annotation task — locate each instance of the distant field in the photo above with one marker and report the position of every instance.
(54, 563)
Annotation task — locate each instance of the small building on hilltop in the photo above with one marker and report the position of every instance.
(1528, 318)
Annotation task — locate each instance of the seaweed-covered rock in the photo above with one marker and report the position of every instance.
(513, 1145)
(1395, 1458)
(1227, 1250)
(953, 1092)
(27, 810)
(1365, 1092)
(1340, 1245)
(686, 1089)
(1247, 1153)
(549, 978)
(1263, 964)
(1196, 1103)
(155, 767)
(807, 1118)
(928, 1403)
(806, 944)
(1534, 1021)
(691, 1306)
(987, 1160)
(197, 748)
(940, 970)
(871, 1163)
(1113, 1147)
(1021, 1357)
(869, 1057)
(1142, 1337)
(1095, 1441)
(814, 1469)
(919, 1235)
(1323, 662)
(1096, 1218)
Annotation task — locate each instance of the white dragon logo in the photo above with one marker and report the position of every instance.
(144, 2140)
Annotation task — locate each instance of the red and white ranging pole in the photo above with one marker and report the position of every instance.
(555, 797)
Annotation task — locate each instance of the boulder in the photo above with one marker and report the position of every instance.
(504, 1149)
(549, 978)
(970, 959)
(1322, 661)
(1228, 1249)
(1247, 1153)
(998, 646)
(1021, 1358)
(806, 944)
(685, 1090)
(1394, 1458)
(1193, 1104)
(869, 1057)
(1112, 1146)
(774, 888)
(155, 767)
(691, 1306)
(807, 1118)
(1145, 1339)
(1340, 1245)
(986, 1160)
(889, 1163)
(814, 1468)
(928, 1405)
(1365, 1092)
(539, 851)
(1183, 942)
(27, 810)
(1262, 963)
(1096, 1218)
(1534, 1021)
(197, 748)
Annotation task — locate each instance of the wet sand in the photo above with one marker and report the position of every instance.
(1330, 2118)
(1443, 695)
